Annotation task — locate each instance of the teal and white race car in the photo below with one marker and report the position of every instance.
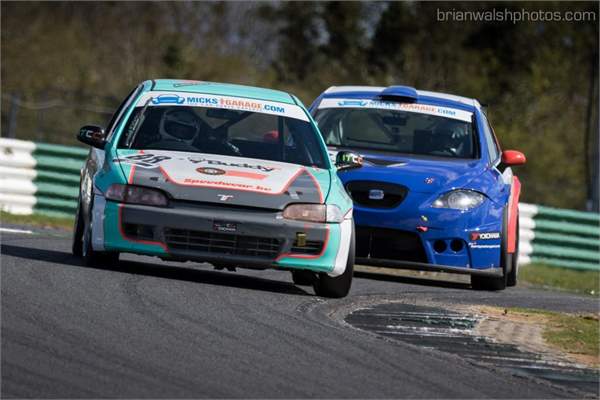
(233, 175)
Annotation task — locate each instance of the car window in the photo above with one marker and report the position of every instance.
(490, 140)
(118, 115)
(397, 131)
(224, 132)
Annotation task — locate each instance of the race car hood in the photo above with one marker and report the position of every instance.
(237, 181)
(419, 174)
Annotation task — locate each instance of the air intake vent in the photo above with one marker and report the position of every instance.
(223, 243)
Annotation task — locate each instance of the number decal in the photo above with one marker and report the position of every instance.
(145, 160)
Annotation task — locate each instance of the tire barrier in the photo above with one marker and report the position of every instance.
(39, 177)
(559, 237)
(44, 178)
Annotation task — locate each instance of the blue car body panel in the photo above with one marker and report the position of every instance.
(428, 177)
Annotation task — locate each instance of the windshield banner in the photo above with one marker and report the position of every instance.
(225, 102)
(438, 111)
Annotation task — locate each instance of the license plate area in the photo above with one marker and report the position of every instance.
(223, 226)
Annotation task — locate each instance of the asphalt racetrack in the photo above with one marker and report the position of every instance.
(152, 329)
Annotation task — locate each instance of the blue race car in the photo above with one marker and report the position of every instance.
(435, 191)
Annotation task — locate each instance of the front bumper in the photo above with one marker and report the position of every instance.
(416, 233)
(229, 236)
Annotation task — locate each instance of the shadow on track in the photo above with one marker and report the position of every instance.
(409, 280)
(159, 271)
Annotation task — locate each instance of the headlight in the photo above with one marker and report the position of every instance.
(313, 213)
(459, 200)
(136, 195)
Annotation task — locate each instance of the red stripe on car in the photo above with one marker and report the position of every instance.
(513, 213)
(249, 175)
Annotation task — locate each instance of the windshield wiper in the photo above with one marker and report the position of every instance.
(137, 124)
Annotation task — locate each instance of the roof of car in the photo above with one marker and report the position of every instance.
(225, 89)
(372, 91)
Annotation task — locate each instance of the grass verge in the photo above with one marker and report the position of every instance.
(571, 280)
(40, 220)
(573, 334)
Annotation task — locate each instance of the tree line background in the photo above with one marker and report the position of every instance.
(65, 64)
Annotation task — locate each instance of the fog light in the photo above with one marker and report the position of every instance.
(300, 239)
(439, 246)
(456, 245)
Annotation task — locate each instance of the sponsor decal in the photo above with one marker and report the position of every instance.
(239, 174)
(201, 101)
(226, 172)
(273, 108)
(210, 171)
(226, 185)
(145, 160)
(484, 246)
(264, 168)
(348, 158)
(359, 103)
(168, 99)
(429, 181)
(484, 236)
(392, 105)
(148, 160)
(240, 104)
(225, 197)
(224, 102)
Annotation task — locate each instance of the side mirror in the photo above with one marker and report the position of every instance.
(513, 157)
(348, 160)
(92, 135)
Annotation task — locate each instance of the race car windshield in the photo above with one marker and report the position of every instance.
(397, 131)
(224, 132)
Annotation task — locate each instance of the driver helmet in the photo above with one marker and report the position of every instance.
(180, 123)
(451, 134)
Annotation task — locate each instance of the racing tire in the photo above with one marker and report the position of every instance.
(303, 277)
(495, 283)
(77, 245)
(491, 283)
(91, 257)
(338, 286)
(514, 270)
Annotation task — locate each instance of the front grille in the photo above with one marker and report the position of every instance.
(222, 243)
(312, 247)
(389, 244)
(393, 194)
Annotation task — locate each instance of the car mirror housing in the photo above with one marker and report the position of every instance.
(513, 157)
(92, 135)
(348, 160)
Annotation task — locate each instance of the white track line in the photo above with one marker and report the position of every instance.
(8, 230)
